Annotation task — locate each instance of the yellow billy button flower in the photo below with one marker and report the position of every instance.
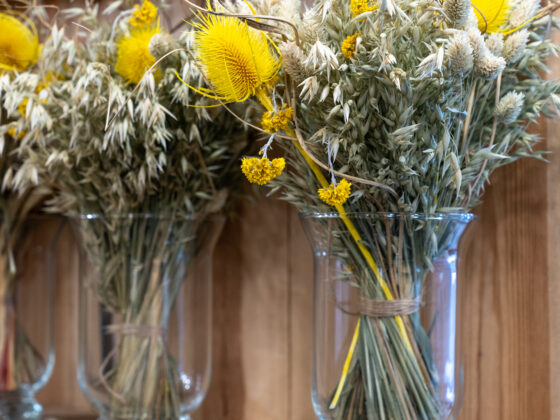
(348, 46)
(336, 194)
(238, 61)
(261, 170)
(143, 15)
(361, 6)
(19, 43)
(273, 121)
(133, 53)
(491, 14)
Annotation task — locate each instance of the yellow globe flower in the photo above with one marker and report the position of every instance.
(274, 121)
(237, 59)
(143, 15)
(335, 195)
(261, 170)
(133, 53)
(348, 46)
(491, 14)
(361, 6)
(19, 43)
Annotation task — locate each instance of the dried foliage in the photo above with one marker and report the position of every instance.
(110, 146)
(397, 112)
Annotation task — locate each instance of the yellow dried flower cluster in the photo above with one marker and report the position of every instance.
(262, 170)
(22, 107)
(19, 43)
(274, 121)
(335, 195)
(361, 6)
(133, 50)
(143, 15)
(348, 46)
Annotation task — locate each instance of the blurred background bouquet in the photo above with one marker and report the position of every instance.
(142, 164)
(29, 70)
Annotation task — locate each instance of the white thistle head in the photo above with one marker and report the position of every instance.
(460, 54)
(509, 108)
(515, 45)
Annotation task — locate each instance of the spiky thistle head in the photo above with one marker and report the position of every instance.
(236, 59)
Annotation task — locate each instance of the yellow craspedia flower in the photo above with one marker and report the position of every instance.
(143, 15)
(133, 53)
(274, 121)
(19, 43)
(491, 14)
(335, 195)
(237, 60)
(361, 6)
(348, 46)
(13, 134)
(261, 170)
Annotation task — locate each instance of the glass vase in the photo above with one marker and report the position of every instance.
(27, 270)
(146, 313)
(385, 315)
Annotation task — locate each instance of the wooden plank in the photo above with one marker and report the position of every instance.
(62, 393)
(553, 219)
(505, 309)
(301, 321)
(250, 378)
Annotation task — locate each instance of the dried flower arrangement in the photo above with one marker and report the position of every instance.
(139, 160)
(26, 68)
(408, 106)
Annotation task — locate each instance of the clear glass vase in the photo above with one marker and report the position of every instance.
(145, 346)
(27, 271)
(385, 327)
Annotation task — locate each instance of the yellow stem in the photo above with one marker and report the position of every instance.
(266, 101)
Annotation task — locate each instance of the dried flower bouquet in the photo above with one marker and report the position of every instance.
(384, 106)
(124, 141)
(26, 67)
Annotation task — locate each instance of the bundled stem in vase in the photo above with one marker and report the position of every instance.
(141, 262)
(388, 374)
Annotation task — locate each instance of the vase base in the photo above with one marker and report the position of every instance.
(183, 417)
(17, 405)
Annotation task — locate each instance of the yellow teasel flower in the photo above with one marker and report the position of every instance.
(239, 61)
(335, 195)
(261, 170)
(348, 46)
(274, 121)
(133, 53)
(143, 15)
(19, 42)
(361, 6)
(491, 14)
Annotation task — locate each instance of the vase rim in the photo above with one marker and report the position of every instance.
(147, 216)
(459, 217)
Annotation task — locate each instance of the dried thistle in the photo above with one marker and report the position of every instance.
(458, 12)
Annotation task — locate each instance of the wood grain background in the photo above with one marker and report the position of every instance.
(510, 331)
